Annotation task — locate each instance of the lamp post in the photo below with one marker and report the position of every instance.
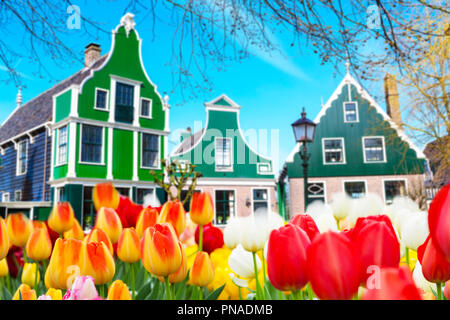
(304, 132)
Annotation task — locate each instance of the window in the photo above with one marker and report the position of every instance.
(18, 195)
(150, 151)
(123, 191)
(22, 157)
(88, 209)
(333, 151)
(393, 188)
(146, 108)
(316, 192)
(260, 200)
(350, 112)
(223, 154)
(62, 145)
(374, 149)
(124, 103)
(5, 197)
(264, 168)
(225, 203)
(61, 194)
(101, 99)
(92, 144)
(142, 194)
(355, 189)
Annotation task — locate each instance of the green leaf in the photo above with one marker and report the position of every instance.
(267, 293)
(143, 292)
(140, 277)
(216, 293)
(6, 295)
(154, 295)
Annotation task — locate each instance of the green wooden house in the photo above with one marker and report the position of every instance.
(240, 180)
(357, 148)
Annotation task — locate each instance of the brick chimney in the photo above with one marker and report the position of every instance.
(19, 98)
(91, 54)
(392, 101)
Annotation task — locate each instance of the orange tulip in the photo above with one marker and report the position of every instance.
(118, 291)
(4, 239)
(105, 195)
(109, 221)
(39, 245)
(61, 218)
(128, 246)
(182, 271)
(147, 218)
(160, 252)
(24, 292)
(65, 264)
(76, 232)
(202, 208)
(173, 212)
(98, 262)
(19, 228)
(202, 272)
(98, 235)
(37, 224)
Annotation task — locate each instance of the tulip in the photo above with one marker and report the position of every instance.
(4, 239)
(414, 230)
(333, 266)
(393, 284)
(173, 212)
(241, 262)
(322, 214)
(287, 258)
(98, 235)
(54, 294)
(232, 233)
(212, 237)
(3, 268)
(98, 262)
(160, 253)
(61, 218)
(19, 228)
(105, 195)
(52, 233)
(202, 272)
(76, 232)
(37, 224)
(24, 292)
(65, 264)
(253, 238)
(182, 271)
(340, 204)
(147, 218)
(306, 223)
(439, 220)
(369, 205)
(39, 245)
(83, 288)
(188, 236)
(30, 274)
(435, 266)
(109, 221)
(15, 260)
(128, 212)
(128, 246)
(118, 291)
(447, 290)
(202, 208)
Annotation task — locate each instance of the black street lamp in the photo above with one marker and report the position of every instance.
(304, 132)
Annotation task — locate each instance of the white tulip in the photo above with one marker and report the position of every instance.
(369, 205)
(232, 233)
(241, 262)
(253, 234)
(420, 280)
(414, 230)
(322, 215)
(340, 204)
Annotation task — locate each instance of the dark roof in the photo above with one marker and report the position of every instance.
(437, 154)
(188, 142)
(38, 110)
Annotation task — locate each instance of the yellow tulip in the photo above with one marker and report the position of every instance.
(3, 268)
(19, 228)
(39, 245)
(24, 292)
(61, 218)
(118, 291)
(4, 239)
(173, 212)
(182, 271)
(98, 235)
(76, 232)
(128, 246)
(202, 272)
(105, 195)
(202, 208)
(108, 220)
(98, 262)
(55, 294)
(147, 218)
(29, 274)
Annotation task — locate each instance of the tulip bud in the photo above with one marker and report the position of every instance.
(3, 268)
(19, 228)
(173, 212)
(202, 272)
(54, 294)
(98, 262)
(29, 274)
(118, 291)
(76, 232)
(39, 245)
(435, 265)
(182, 271)
(306, 223)
(105, 195)
(61, 218)
(24, 292)
(202, 208)
(37, 224)
(98, 235)
(232, 233)
(253, 238)
(147, 218)
(414, 230)
(109, 221)
(212, 237)
(439, 220)
(241, 262)
(160, 252)
(128, 246)
(4, 239)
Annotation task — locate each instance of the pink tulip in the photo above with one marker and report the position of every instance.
(83, 288)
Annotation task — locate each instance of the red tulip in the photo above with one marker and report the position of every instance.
(15, 260)
(435, 266)
(287, 258)
(393, 284)
(447, 290)
(128, 212)
(333, 266)
(439, 220)
(307, 224)
(363, 222)
(212, 237)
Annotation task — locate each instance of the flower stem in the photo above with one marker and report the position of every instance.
(166, 281)
(439, 291)
(36, 279)
(1, 289)
(133, 281)
(200, 238)
(407, 256)
(258, 287)
(24, 253)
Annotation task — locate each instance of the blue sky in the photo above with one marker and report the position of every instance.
(272, 89)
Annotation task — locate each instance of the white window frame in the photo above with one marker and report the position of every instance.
(364, 149)
(102, 163)
(259, 165)
(18, 173)
(142, 152)
(324, 189)
(344, 160)
(235, 204)
(383, 181)
(268, 199)
(150, 110)
(6, 197)
(58, 145)
(226, 169)
(364, 181)
(356, 110)
(15, 195)
(106, 102)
